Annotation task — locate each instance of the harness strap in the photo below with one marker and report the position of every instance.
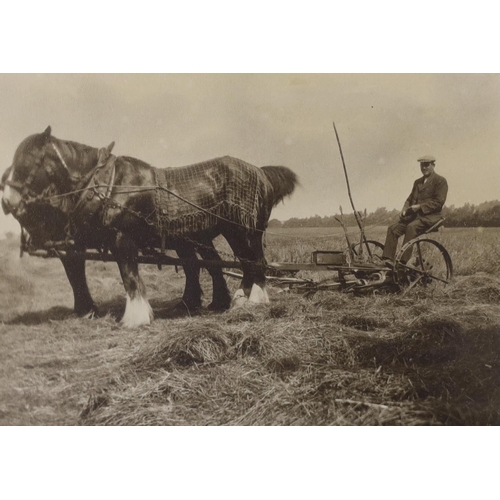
(111, 182)
(92, 199)
(60, 157)
(14, 184)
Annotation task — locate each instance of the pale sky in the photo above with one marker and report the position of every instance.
(385, 122)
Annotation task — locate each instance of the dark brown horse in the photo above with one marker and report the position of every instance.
(64, 191)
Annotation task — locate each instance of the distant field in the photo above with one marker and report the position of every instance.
(471, 249)
(334, 359)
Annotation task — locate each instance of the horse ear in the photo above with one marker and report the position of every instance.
(103, 154)
(47, 132)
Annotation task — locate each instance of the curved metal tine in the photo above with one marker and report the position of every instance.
(412, 284)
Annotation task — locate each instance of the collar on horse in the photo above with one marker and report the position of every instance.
(95, 192)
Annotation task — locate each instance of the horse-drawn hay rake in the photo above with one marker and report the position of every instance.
(359, 268)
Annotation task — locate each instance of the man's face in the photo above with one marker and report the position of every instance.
(427, 168)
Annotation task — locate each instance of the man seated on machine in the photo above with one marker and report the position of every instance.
(421, 210)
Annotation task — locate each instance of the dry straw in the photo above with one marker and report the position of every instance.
(365, 361)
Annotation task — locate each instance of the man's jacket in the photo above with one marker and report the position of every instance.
(430, 195)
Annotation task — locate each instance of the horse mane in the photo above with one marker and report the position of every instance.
(81, 157)
(136, 161)
(283, 182)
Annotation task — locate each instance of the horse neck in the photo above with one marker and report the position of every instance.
(78, 158)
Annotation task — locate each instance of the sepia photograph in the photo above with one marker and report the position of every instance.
(250, 249)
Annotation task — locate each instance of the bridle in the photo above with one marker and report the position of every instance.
(25, 189)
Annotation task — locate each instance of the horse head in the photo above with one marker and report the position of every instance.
(27, 174)
(43, 172)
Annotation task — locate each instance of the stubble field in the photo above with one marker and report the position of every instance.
(333, 359)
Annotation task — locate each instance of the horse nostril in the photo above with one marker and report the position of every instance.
(6, 207)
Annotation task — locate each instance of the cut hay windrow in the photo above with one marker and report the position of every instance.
(477, 287)
(412, 366)
(241, 335)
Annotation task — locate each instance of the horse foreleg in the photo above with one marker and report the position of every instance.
(138, 312)
(74, 265)
(221, 299)
(191, 297)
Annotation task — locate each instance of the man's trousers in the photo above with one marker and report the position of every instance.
(410, 230)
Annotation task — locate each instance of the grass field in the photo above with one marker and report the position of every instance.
(335, 359)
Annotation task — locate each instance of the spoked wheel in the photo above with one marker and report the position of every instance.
(429, 266)
(361, 251)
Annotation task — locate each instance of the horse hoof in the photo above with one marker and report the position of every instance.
(138, 312)
(239, 299)
(87, 312)
(258, 295)
(219, 306)
(191, 306)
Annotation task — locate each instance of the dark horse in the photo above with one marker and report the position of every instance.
(65, 191)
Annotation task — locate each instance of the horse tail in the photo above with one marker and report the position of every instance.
(283, 182)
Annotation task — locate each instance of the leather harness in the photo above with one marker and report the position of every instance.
(94, 195)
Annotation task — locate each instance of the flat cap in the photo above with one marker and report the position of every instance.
(426, 159)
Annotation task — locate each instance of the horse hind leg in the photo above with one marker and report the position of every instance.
(221, 298)
(191, 298)
(138, 312)
(258, 293)
(251, 255)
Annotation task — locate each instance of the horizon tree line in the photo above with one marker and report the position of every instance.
(486, 214)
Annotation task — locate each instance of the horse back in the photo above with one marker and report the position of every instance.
(197, 197)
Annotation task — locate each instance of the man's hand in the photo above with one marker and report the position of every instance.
(409, 211)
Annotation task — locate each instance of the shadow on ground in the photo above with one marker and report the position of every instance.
(114, 307)
(56, 313)
(161, 309)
